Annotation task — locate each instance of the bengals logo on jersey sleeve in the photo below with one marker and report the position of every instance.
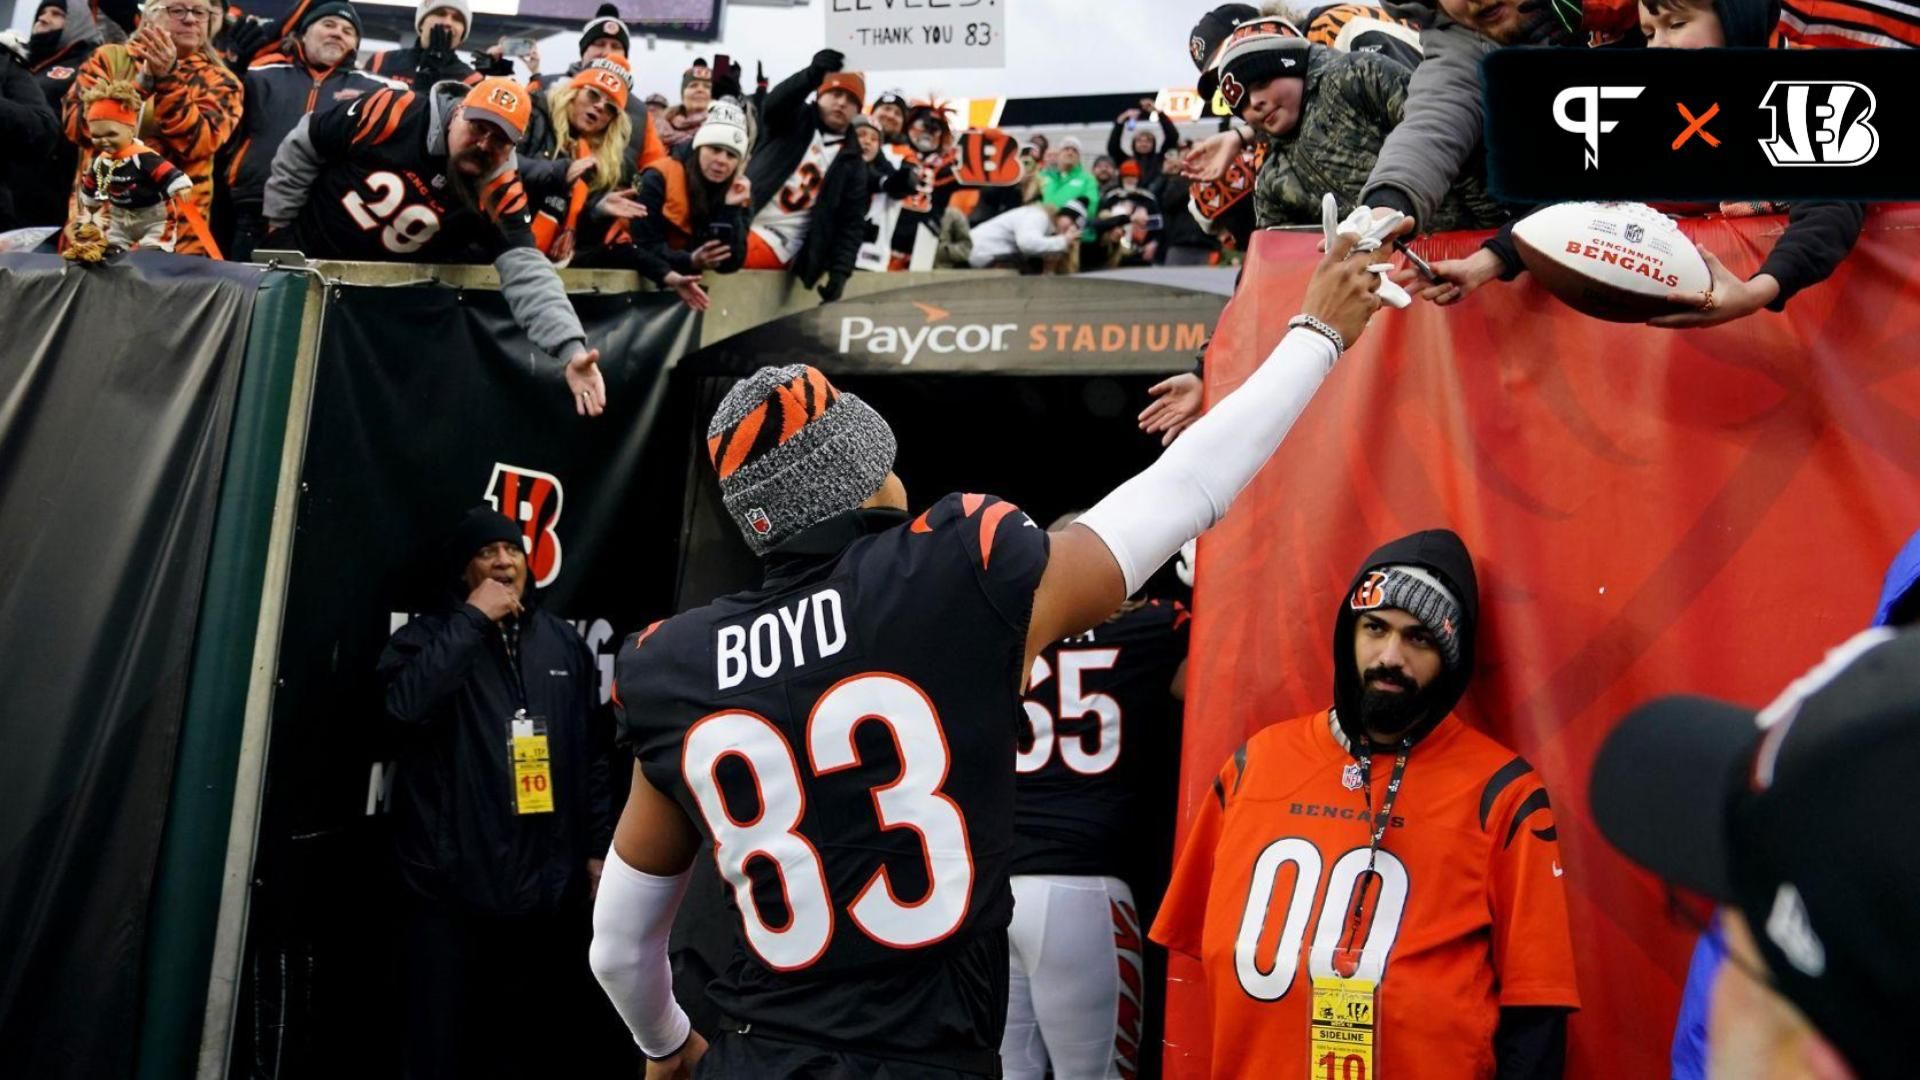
(503, 197)
(379, 115)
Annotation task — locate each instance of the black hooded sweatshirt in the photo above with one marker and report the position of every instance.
(1441, 553)
(451, 693)
(1530, 1043)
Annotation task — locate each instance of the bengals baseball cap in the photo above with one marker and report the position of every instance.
(792, 451)
(501, 102)
(1799, 817)
(1203, 43)
(608, 74)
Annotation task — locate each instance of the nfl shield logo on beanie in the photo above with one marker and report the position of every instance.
(757, 520)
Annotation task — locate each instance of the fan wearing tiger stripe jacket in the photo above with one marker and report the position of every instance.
(1374, 889)
(405, 176)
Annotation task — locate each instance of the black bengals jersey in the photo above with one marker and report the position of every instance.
(1101, 726)
(382, 194)
(843, 737)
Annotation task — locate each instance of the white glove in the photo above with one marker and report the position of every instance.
(1372, 232)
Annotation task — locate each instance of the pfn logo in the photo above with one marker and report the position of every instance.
(1819, 123)
(1588, 124)
(532, 499)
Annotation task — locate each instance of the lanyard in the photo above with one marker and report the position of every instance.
(1380, 822)
(1386, 803)
(510, 648)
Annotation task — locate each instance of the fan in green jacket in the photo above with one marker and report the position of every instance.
(1067, 179)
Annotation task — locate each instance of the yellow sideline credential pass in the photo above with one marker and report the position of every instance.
(1340, 1029)
(532, 768)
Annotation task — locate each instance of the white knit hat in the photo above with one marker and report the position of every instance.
(725, 127)
(428, 7)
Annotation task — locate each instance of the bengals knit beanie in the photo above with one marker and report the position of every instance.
(792, 451)
(606, 25)
(1420, 594)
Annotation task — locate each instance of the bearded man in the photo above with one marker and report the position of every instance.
(1375, 888)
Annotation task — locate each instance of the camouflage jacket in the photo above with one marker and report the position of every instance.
(1350, 102)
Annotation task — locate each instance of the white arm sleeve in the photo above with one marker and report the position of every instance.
(1145, 520)
(631, 918)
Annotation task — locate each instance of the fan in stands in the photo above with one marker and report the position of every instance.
(1622, 262)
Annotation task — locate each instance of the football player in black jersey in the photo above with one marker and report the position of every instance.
(1093, 781)
(428, 176)
(843, 736)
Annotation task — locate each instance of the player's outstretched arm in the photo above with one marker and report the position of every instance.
(640, 890)
(1094, 564)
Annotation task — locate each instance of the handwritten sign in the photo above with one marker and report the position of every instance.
(888, 35)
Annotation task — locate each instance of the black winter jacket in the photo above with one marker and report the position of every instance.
(41, 196)
(452, 695)
(420, 67)
(788, 121)
(653, 257)
(29, 130)
(281, 89)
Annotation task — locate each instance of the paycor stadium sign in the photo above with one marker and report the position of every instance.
(1000, 324)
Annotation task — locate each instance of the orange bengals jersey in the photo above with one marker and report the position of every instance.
(1468, 914)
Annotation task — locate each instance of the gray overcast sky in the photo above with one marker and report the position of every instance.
(1054, 47)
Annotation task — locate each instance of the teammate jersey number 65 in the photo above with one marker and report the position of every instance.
(912, 801)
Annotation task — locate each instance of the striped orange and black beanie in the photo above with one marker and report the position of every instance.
(792, 451)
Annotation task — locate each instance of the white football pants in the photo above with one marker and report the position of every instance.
(1075, 995)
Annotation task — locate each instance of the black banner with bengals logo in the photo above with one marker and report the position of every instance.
(428, 402)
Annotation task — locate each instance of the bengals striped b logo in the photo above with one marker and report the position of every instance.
(1371, 593)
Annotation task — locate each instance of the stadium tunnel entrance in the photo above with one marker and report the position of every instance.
(1023, 388)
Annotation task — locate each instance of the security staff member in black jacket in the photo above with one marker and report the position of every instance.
(501, 815)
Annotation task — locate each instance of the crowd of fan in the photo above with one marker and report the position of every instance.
(176, 137)
(201, 133)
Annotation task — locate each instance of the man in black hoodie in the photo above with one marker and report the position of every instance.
(501, 811)
(1399, 819)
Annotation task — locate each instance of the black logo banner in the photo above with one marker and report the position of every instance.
(1702, 124)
